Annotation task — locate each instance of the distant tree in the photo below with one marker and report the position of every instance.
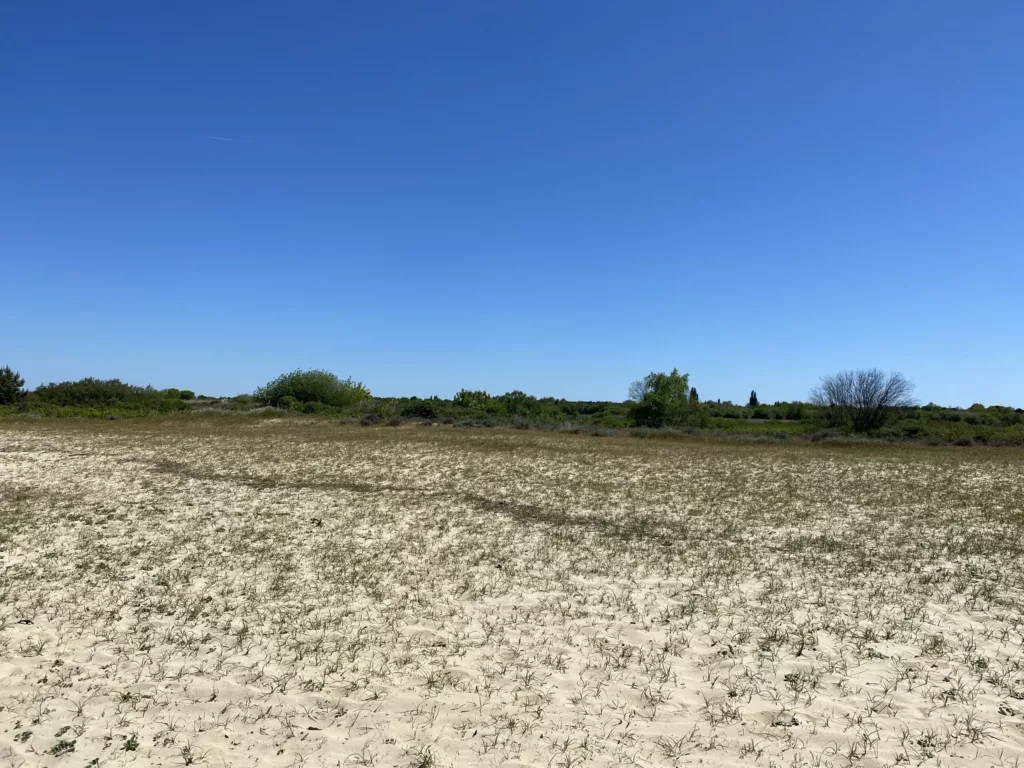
(694, 397)
(11, 386)
(753, 403)
(472, 398)
(517, 402)
(661, 400)
(313, 386)
(863, 400)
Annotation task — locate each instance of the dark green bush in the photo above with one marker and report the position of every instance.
(187, 394)
(98, 393)
(420, 409)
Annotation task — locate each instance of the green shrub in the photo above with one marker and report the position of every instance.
(98, 393)
(187, 394)
(420, 409)
(313, 386)
(289, 403)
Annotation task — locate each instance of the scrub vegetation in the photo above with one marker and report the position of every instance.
(847, 406)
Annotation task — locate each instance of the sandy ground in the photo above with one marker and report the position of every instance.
(228, 591)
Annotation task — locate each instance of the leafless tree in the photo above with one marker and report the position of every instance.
(864, 400)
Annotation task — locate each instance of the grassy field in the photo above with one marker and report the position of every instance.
(211, 591)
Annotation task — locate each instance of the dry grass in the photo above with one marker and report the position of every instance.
(211, 592)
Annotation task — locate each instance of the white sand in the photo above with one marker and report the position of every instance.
(280, 594)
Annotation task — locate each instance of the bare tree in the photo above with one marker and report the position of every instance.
(864, 400)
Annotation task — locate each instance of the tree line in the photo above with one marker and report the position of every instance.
(867, 401)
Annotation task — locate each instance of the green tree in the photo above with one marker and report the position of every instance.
(519, 403)
(753, 403)
(472, 398)
(313, 386)
(11, 386)
(662, 400)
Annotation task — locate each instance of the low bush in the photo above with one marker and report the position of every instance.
(420, 409)
(98, 393)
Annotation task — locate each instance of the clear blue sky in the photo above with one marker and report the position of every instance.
(557, 197)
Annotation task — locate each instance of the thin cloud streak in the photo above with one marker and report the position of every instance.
(225, 138)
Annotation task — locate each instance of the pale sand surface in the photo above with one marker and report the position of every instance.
(236, 592)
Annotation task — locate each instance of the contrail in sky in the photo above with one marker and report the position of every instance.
(225, 138)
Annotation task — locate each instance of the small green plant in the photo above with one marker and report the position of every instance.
(61, 748)
(190, 755)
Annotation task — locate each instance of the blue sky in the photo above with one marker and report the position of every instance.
(557, 197)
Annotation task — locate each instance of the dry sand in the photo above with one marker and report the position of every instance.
(236, 592)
